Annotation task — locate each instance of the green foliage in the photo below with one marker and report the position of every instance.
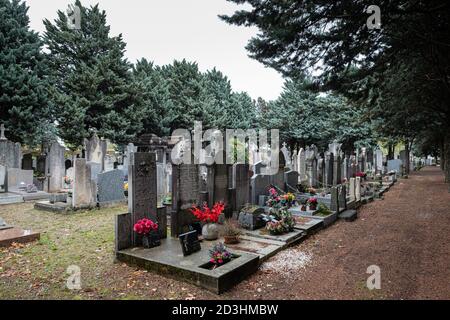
(306, 117)
(93, 84)
(322, 210)
(398, 75)
(24, 106)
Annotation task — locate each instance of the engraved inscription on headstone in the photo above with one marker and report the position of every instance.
(189, 242)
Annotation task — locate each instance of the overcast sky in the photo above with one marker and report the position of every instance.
(164, 30)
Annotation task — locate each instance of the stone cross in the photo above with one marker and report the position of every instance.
(2, 132)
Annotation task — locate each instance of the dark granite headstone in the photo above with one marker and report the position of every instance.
(329, 167)
(185, 193)
(142, 188)
(27, 161)
(196, 226)
(189, 242)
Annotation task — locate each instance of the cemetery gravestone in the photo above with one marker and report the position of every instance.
(241, 184)
(352, 189)
(291, 178)
(83, 188)
(110, 187)
(278, 179)
(358, 189)
(3, 185)
(337, 176)
(379, 161)
(321, 171)
(19, 178)
(186, 192)
(27, 161)
(96, 150)
(394, 165)
(302, 165)
(259, 183)
(10, 154)
(96, 168)
(142, 202)
(329, 162)
(189, 242)
(56, 167)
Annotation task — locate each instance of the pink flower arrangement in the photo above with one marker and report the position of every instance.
(219, 254)
(145, 226)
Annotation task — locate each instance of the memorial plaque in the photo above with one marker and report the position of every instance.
(189, 242)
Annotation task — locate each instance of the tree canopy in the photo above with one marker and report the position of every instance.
(25, 109)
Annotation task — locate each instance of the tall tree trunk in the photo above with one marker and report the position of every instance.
(391, 149)
(445, 158)
(407, 151)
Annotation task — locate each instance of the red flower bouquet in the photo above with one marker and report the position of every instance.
(207, 215)
(361, 174)
(312, 203)
(145, 226)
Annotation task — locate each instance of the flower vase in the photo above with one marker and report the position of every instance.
(303, 208)
(210, 231)
(151, 240)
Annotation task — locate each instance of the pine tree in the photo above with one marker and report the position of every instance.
(187, 94)
(24, 106)
(94, 87)
(155, 96)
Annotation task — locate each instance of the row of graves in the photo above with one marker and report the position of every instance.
(224, 220)
(99, 179)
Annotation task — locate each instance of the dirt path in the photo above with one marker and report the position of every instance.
(407, 235)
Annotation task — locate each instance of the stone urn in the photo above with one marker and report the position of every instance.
(210, 231)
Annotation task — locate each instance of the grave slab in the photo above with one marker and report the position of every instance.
(168, 260)
(308, 224)
(10, 198)
(58, 207)
(327, 220)
(349, 215)
(264, 248)
(17, 235)
(288, 238)
(39, 195)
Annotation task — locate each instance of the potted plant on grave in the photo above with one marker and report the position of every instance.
(275, 227)
(219, 255)
(288, 199)
(281, 222)
(209, 217)
(149, 232)
(312, 203)
(323, 211)
(230, 232)
(274, 198)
